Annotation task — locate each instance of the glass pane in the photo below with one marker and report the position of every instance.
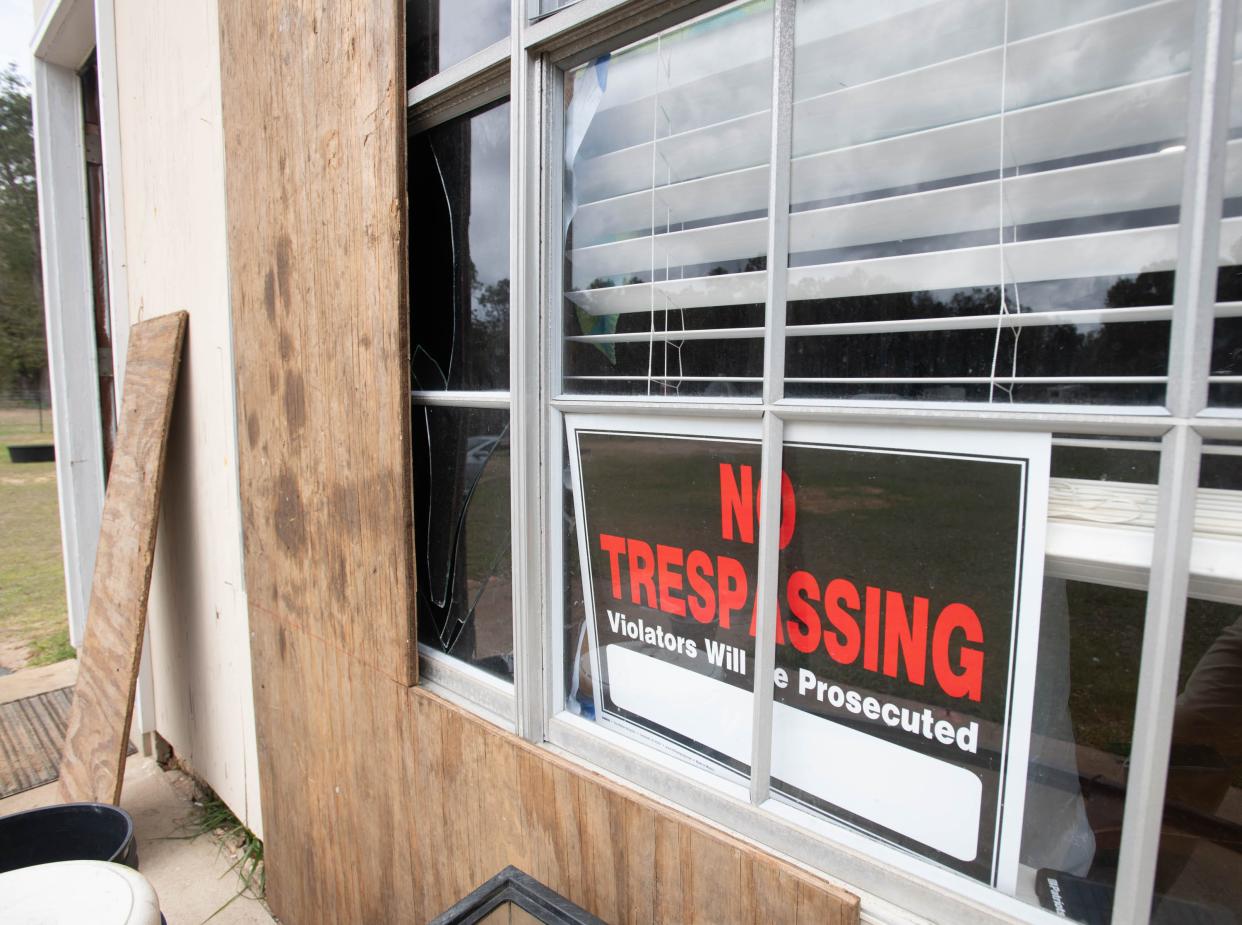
(911, 638)
(665, 211)
(1091, 638)
(1225, 382)
(440, 33)
(459, 253)
(985, 199)
(1199, 868)
(551, 6)
(660, 645)
(1105, 460)
(461, 535)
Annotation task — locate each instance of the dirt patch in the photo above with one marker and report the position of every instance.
(13, 655)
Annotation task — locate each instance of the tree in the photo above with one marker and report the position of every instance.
(23, 354)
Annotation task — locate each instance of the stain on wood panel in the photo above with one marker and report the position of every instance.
(314, 144)
(383, 803)
(93, 763)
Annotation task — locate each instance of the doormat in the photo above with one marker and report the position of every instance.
(32, 733)
(32, 736)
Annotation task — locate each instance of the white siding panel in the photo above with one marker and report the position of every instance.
(168, 75)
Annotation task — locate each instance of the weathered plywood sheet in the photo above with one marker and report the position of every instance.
(98, 733)
(390, 804)
(487, 799)
(382, 802)
(314, 144)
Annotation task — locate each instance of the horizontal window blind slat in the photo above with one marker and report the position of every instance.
(866, 36)
(1146, 181)
(642, 337)
(1052, 67)
(1125, 117)
(1114, 253)
(985, 322)
(654, 377)
(1074, 316)
(1098, 59)
(1217, 511)
(976, 380)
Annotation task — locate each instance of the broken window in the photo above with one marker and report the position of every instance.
(459, 335)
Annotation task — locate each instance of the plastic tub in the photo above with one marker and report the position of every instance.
(69, 832)
(78, 891)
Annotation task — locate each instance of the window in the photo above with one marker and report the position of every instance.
(459, 322)
(932, 275)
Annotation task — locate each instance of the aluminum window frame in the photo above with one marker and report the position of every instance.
(893, 884)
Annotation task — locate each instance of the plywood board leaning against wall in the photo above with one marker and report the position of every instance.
(93, 763)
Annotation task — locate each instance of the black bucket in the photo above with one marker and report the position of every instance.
(69, 832)
(32, 453)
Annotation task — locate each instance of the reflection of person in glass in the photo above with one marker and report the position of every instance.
(1076, 793)
(1205, 756)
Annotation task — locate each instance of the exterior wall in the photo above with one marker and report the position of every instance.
(173, 178)
(384, 802)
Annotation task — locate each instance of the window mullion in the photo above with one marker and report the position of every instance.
(779, 167)
(773, 391)
(1189, 355)
(766, 606)
(525, 395)
(1157, 687)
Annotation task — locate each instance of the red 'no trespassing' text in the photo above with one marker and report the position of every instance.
(881, 629)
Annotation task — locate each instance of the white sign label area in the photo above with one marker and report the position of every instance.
(910, 575)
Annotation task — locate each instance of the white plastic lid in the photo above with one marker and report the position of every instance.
(72, 892)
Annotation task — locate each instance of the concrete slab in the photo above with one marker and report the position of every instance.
(190, 875)
(30, 681)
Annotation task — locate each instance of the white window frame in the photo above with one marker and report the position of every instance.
(66, 34)
(480, 80)
(895, 886)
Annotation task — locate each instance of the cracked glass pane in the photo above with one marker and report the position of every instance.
(459, 253)
(461, 535)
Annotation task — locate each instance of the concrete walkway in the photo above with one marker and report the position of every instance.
(191, 876)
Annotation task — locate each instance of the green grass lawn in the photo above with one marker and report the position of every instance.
(32, 581)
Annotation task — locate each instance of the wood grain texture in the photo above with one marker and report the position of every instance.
(97, 738)
(381, 802)
(313, 111)
(487, 799)
(384, 803)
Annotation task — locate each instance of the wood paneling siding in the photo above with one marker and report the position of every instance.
(382, 802)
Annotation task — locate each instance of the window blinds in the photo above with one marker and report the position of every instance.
(984, 202)
(666, 193)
